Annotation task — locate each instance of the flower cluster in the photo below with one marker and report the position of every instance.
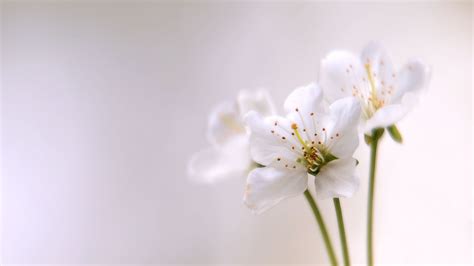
(316, 137)
(319, 133)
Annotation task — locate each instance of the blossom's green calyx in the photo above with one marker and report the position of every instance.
(315, 155)
(375, 136)
(395, 133)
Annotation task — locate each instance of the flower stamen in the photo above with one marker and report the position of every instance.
(298, 136)
(373, 102)
(314, 155)
(371, 81)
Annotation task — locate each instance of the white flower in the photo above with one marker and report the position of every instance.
(308, 140)
(229, 152)
(385, 94)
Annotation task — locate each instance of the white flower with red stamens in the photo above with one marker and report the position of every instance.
(308, 141)
(229, 152)
(385, 94)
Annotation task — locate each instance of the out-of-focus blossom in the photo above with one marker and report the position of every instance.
(229, 151)
(385, 94)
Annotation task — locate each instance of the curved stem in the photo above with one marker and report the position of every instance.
(322, 227)
(342, 231)
(370, 208)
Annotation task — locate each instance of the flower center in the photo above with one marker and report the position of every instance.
(315, 155)
(373, 102)
(231, 123)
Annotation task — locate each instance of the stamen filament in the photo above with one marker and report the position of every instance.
(376, 103)
(295, 129)
(372, 81)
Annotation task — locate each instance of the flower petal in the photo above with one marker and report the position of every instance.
(271, 139)
(306, 98)
(215, 163)
(268, 185)
(345, 113)
(386, 116)
(381, 67)
(342, 138)
(336, 179)
(346, 144)
(413, 77)
(258, 101)
(341, 73)
(224, 124)
(306, 109)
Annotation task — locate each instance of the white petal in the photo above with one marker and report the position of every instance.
(341, 72)
(271, 140)
(215, 163)
(306, 109)
(259, 101)
(224, 124)
(342, 139)
(336, 179)
(267, 186)
(385, 116)
(346, 113)
(306, 99)
(381, 67)
(413, 77)
(344, 145)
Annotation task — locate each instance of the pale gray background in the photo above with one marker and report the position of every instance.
(102, 105)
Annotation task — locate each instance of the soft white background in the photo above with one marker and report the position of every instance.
(103, 104)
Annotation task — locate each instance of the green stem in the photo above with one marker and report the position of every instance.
(370, 208)
(322, 227)
(342, 231)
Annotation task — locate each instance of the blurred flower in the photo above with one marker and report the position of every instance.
(309, 140)
(385, 95)
(229, 152)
